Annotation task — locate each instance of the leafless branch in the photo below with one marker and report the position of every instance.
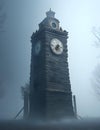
(96, 33)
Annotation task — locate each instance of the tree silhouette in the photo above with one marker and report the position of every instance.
(96, 72)
(2, 31)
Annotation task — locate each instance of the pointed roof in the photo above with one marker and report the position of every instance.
(50, 13)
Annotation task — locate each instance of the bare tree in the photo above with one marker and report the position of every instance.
(96, 80)
(96, 73)
(2, 30)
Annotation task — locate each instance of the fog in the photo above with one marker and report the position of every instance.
(22, 19)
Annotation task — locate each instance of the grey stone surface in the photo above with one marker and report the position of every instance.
(50, 89)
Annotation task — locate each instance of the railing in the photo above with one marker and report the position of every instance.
(18, 114)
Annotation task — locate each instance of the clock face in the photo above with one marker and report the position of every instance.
(37, 47)
(54, 24)
(56, 46)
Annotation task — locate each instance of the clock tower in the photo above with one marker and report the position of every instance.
(50, 90)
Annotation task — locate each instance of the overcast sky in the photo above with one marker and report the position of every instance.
(78, 17)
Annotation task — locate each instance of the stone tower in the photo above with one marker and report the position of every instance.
(50, 90)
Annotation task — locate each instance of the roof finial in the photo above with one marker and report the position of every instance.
(50, 13)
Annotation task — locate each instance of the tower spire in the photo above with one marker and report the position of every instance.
(50, 13)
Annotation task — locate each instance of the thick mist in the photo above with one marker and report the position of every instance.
(18, 20)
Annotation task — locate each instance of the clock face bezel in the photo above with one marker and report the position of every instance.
(54, 24)
(37, 47)
(56, 46)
